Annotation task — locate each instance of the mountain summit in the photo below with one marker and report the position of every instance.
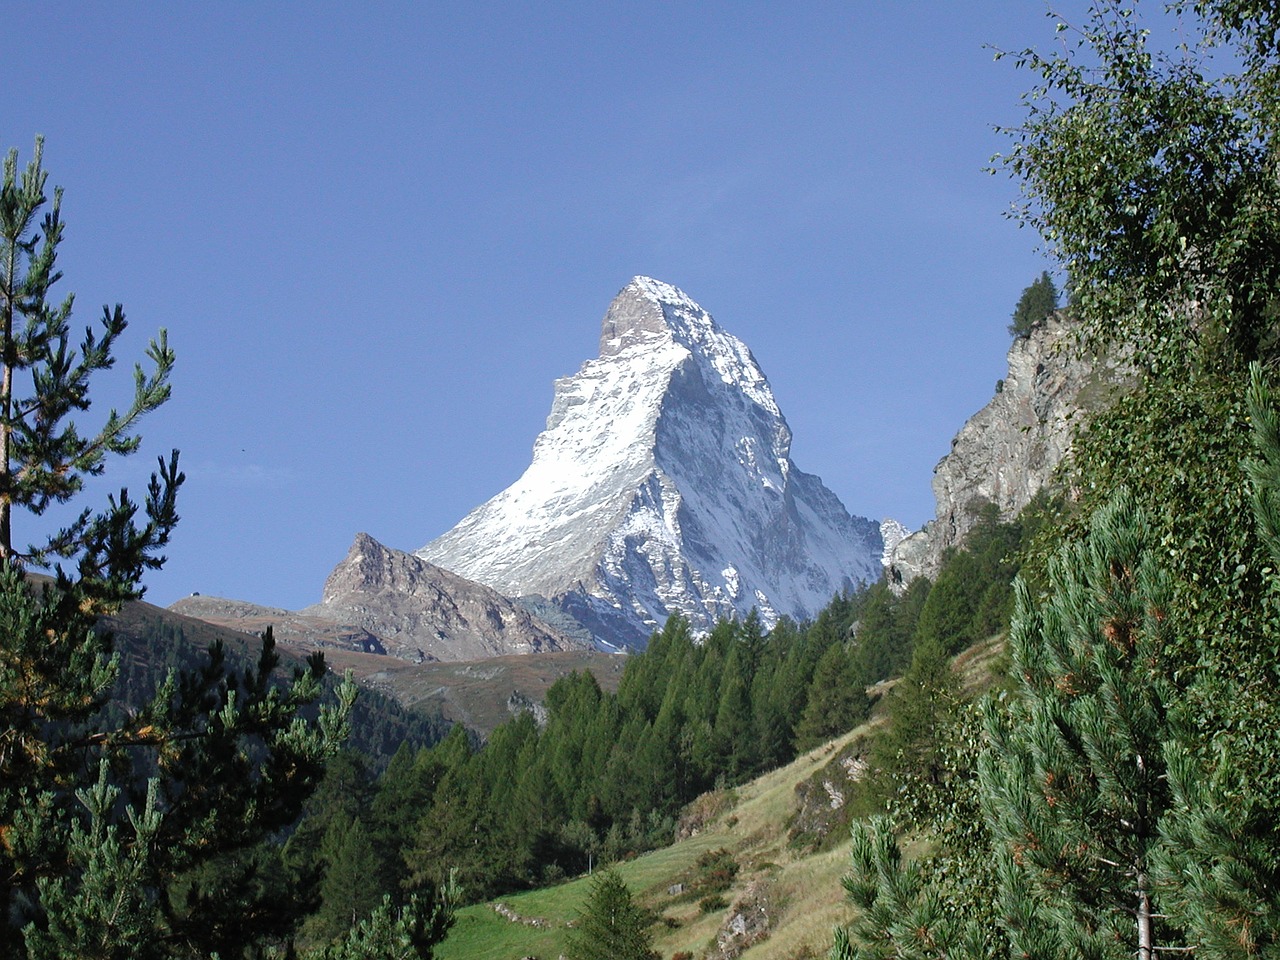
(663, 482)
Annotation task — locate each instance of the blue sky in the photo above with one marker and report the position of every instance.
(377, 232)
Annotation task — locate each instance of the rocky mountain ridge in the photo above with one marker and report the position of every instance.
(381, 600)
(288, 626)
(420, 610)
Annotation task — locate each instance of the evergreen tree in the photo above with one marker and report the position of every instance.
(920, 709)
(1037, 302)
(901, 915)
(1119, 824)
(733, 714)
(1172, 250)
(350, 891)
(882, 646)
(611, 926)
(117, 831)
(1074, 783)
(342, 794)
(410, 932)
(837, 700)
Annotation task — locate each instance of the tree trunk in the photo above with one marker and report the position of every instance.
(1145, 950)
(6, 405)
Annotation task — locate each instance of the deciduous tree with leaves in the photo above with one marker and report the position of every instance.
(1130, 789)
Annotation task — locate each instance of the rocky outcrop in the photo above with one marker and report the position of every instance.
(1009, 450)
(748, 921)
(663, 482)
(421, 612)
(822, 807)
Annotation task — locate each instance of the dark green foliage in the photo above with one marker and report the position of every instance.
(1110, 829)
(611, 926)
(349, 890)
(230, 767)
(713, 872)
(1130, 786)
(837, 700)
(1037, 302)
(1220, 843)
(150, 645)
(1172, 246)
(969, 603)
(972, 596)
(347, 853)
(138, 831)
(341, 796)
(885, 629)
(712, 903)
(55, 672)
(1074, 782)
(1175, 445)
(608, 774)
(410, 932)
(1220, 847)
(45, 455)
(920, 712)
(899, 913)
(405, 788)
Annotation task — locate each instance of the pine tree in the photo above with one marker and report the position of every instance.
(350, 891)
(837, 700)
(920, 708)
(1121, 825)
(1074, 783)
(1036, 303)
(611, 926)
(901, 915)
(104, 827)
(410, 932)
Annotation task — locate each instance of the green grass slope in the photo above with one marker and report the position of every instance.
(799, 891)
(792, 893)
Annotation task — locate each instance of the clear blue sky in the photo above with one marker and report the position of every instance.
(377, 232)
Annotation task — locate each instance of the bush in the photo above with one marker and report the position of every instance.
(712, 903)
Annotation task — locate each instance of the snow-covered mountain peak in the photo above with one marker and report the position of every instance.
(648, 313)
(663, 482)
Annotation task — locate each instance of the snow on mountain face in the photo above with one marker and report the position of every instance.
(892, 533)
(663, 482)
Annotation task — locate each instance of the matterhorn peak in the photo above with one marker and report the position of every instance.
(663, 483)
(646, 310)
(636, 316)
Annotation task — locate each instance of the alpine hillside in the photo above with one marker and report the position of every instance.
(663, 482)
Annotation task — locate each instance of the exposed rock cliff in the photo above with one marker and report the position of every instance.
(1009, 449)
